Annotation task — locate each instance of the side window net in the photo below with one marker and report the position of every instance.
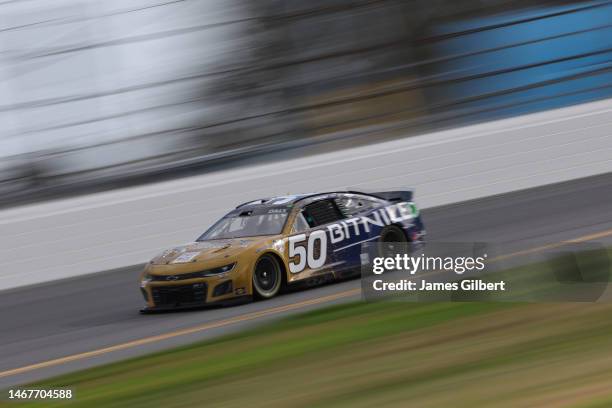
(321, 212)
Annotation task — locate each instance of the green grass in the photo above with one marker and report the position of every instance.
(377, 354)
(380, 354)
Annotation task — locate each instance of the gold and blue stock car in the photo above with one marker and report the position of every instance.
(263, 246)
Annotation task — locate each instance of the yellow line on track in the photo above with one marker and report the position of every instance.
(177, 333)
(259, 314)
(583, 238)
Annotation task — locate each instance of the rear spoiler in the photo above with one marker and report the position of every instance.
(394, 196)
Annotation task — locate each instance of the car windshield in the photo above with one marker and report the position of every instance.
(246, 226)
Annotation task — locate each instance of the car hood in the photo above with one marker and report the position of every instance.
(213, 250)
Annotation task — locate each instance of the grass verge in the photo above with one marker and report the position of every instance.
(377, 354)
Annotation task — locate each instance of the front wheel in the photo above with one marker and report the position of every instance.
(267, 278)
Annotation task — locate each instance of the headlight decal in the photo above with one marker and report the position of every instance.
(193, 275)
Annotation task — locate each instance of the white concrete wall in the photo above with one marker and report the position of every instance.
(107, 230)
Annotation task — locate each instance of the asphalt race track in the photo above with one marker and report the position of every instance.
(58, 327)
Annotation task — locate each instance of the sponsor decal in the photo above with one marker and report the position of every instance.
(279, 245)
(186, 257)
(210, 245)
(303, 249)
(171, 252)
(282, 200)
(382, 217)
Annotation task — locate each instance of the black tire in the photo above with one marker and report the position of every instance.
(390, 235)
(267, 277)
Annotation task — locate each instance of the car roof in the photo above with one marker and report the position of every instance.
(277, 204)
(274, 201)
(271, 205)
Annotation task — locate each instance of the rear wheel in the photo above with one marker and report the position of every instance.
(393, 233)
(267, 277)
(392, 241)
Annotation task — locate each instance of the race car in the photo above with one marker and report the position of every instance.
(264, 246)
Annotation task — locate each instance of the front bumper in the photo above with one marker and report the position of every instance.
(171, 287)
(191, 293)
(177, 295)
(185, 306)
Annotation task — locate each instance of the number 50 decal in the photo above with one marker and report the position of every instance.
(307, 253)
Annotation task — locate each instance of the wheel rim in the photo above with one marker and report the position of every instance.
(393, 235)
(266, 276)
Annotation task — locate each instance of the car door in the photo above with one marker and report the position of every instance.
(309, 250)
(354, 232)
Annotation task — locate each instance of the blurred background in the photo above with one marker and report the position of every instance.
(98, 95)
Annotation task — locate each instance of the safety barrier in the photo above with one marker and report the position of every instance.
(97, 232)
